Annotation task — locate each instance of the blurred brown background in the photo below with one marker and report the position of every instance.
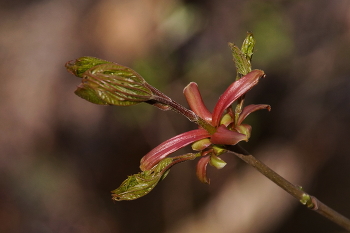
(60, 156)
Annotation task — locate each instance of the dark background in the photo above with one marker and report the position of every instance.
(60, 156)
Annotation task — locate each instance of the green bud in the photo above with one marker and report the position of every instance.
(89, 94)
(201, 144)
(248, 46)
(142, 183)
(218, 150)
(79, 66)
(242, 57)
(217, 162)
(307, 200)
(242, 63)
(226, 120)
(244, 129)
(105, 82)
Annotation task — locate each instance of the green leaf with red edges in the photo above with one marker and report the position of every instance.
(109, 83)
(80, 65)
(142, 183)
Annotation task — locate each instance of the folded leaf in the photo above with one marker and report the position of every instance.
(79, 66)
(244, 129)
(248, 46)
(88, 93)
(142, 183)
(217, 162)
(113, 84)
(242, 63)
(201, 144)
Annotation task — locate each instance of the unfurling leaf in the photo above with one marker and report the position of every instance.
(226, 120)
(241, 61)
(79, 66)
(217, 162)
(242, 57)
(201, 144)
(248, 46)
(142, 183)
(109, 83)
(244, 129)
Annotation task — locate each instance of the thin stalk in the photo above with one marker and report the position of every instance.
(239, 108)
(176, 107)
(160, 97)
(309, 201)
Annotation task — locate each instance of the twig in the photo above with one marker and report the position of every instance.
(310, 202)
(160, 97)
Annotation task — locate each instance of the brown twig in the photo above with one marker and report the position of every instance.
(160, 97)
(310, 202)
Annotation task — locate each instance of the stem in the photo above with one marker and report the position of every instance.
(238, 108)
(160, 97)
(176, 107)
(310, 202)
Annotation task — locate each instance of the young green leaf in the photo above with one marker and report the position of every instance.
(142, 183)
(216, 162)
(105, 82)
(242, 63)
(248, 46)
(242, 57)
(79, 66)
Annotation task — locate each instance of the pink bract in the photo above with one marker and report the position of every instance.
(234, 91)
(170, 146)
(201, 170)
(195, 101)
